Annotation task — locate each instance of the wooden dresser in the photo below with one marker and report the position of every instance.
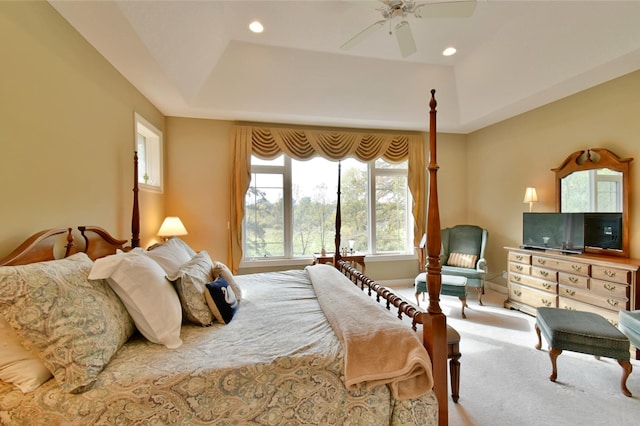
(600, 284)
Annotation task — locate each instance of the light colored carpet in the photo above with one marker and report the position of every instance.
(505, 380)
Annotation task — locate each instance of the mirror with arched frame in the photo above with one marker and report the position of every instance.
(595, 181)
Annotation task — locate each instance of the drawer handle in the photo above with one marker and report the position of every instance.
(516, 278)
(546, 285)
(573, 279)
(542, 261)
(609, 273)
(519, 268)
(570, 308)
(546, 302)
(576, 268)
(544, 273)
(609, 287)
(517, 293)
(569, 292)
(612, 302)
(519, 257)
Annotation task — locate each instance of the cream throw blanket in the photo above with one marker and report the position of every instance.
(378, 347)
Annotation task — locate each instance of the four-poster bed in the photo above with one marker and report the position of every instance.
(201, 381)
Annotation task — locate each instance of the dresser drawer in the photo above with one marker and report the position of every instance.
(611, 274)
(610, 289)
(573, 280)
(595, 299)
(532, 297)
(528, 280)
(574, 305)
(545, 274)
(520, 258)
(573, 267)
(520, 268)
(544, 262)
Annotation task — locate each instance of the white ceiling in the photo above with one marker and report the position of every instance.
(199, 59)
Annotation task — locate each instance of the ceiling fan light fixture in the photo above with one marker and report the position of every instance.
(449, 51)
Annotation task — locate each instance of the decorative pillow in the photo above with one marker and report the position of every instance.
(171, 254)
(190, 281)
(72, 324)
(220, 269)
(221, 299)
(18, 365)
(462, 260)
(149, 297)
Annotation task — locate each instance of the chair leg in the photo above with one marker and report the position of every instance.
(480, 291)
(463, 300)
(418, 298)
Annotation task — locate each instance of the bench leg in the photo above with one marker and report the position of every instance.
(418, 298)
(454, 370)
(626, 370)
(539, 344)
(553, 354)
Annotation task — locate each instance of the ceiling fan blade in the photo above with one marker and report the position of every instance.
(405, 39)
(362, 35)
(446, 9)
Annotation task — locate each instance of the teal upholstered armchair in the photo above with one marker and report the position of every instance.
(463, 248)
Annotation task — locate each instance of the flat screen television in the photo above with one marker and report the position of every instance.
(603, 230)
(572, 232)
(553, 231)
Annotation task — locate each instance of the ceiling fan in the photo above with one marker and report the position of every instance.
(399, 10)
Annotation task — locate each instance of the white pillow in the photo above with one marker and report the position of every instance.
(220, 269)
(18, 365)
(171, 255)
(149, 297)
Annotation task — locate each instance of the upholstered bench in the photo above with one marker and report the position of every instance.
(583, 332)
(629, 324)
(451, 286)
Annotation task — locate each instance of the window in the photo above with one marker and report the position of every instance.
(290, 207)
(148, 143)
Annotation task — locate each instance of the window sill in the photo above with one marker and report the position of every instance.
(301, 261)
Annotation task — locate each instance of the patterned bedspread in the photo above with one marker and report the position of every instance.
(277, 362)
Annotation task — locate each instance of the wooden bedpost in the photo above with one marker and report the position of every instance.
(336, 255)
(135, 215)
(435, 322)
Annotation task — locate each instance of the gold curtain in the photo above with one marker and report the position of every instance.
(302, 144)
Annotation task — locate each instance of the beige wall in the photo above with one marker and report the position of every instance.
(505, 158)
(67, 130)
(198, 177)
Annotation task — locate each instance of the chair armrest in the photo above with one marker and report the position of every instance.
(482, 265)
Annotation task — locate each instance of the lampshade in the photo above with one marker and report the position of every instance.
(172, 227)
(530, 197)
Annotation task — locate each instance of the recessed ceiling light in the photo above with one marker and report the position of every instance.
(256, 27)
(449, 51)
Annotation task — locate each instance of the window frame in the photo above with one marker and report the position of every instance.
(372, 173)
(152, 162)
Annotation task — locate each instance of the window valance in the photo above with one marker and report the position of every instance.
(302, 144)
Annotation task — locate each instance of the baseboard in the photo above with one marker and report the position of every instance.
(401, 283)
(408, 282)
(499, 288)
